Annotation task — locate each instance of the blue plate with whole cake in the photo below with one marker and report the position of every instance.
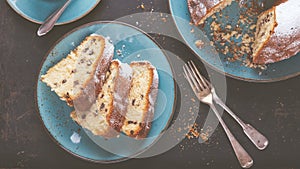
(230, 28)
(139, 66)
(38, 10)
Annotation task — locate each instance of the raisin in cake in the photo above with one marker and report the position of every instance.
(78, 78)
(200, 10)
(277, 33)
(106, 115)
(142, 97)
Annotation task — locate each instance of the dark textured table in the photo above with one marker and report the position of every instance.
(274, 108)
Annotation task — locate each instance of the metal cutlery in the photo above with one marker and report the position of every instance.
(51, 20)
(203, 91)
(259, 140)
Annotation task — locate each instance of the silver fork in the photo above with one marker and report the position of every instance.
(203, 91)
(259, 140)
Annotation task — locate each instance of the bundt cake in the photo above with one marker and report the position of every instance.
(277, 35)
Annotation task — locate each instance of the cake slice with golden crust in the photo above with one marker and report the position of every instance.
(142, 97)
(106, 116)
(78, 78)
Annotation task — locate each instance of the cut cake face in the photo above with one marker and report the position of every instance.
(142, 97)
(106, 115)
(278, 33)
(77, 78)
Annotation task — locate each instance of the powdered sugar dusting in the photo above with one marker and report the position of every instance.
(119, 105)
(75, 138)
(154, 87)
(94, 34)
(154, 91)
(107, 54)
(108, 49)
(125, 70)
(289, 14)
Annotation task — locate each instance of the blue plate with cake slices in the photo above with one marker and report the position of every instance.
(38, 10)
(131, 44)
(200, 36)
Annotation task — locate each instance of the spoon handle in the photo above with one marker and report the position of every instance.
(51, 20)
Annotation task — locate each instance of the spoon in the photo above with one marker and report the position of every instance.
(51, 20)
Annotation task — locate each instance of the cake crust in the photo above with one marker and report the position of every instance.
(142, 98)
(121, 91)
(146, 126)
(284, 41)
(200, 10)
(106, 115)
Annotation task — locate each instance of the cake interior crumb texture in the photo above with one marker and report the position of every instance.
(60, 77)
(97, 119)
(87, 62)
(278, 33)
(118, 97)
(265, 27)
(140, 108)
(76, 76)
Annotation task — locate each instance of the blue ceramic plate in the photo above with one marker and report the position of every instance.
(135, 45)
(38, 10)
(275, 72)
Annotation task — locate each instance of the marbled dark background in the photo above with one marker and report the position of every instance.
(274, 108)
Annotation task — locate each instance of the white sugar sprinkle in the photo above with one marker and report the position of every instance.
(75, 138)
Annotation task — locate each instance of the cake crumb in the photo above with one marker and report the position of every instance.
(204, 136)
(252, 27)
(199, 44)
(228, 27)
(119, 52)
(193, 100)
(232, 40)
(164, 19)
(179, 129)
(193, 132)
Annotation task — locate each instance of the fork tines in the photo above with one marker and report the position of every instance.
(196, 80)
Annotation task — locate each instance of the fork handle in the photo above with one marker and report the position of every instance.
(259, 140)
(243, 157)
